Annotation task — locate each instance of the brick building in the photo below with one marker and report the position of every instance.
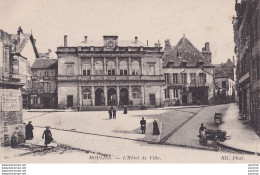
(246, 27)
(109, 72)
(188, 73)
(44, 83)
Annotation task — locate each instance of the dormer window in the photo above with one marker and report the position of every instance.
(184, 63)
(200, 63)
(170, 64)
(179, 54)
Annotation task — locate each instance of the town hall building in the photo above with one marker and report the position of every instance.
(110, 72)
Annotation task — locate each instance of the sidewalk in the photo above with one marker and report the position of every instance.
(243, 137)
(48, 110)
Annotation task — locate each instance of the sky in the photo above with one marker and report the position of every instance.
(49, 20)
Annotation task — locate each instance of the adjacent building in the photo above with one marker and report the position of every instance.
(44, 83)
(188, 74)
(246, 27)
(109, 72)
(15, 57)
(225, 82)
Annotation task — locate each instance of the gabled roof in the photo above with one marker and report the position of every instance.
(220, 73)
(189, 53)
(44, 63)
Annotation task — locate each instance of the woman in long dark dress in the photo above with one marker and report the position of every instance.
(48, 136)
(155, 128)
(29, 131)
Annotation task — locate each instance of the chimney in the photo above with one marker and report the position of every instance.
(85, 39)
(167, 44)
(147, 43)
(207, 47)
(65, 41)
(136, 39)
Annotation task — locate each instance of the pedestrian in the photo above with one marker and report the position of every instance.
(29, 131)
(114, 113)
(47, 135)
(202, 131)
(156, 130)
(110, 112)
(125, 109)
(131, 103)
(143, 125)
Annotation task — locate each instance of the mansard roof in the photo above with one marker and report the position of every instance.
(189, 53)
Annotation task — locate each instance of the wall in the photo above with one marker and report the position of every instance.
(64, 89)
(151, 59)
(157, 90)
(62, 65)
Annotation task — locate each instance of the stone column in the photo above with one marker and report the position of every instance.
(105, 66)
(143, 96)
(93, 96)
(92, 66)
(117, 67)
(142, 68)
(129, 66)
(80, 96)
(105, 94)
(130, 93)
(179, 96)
(117, 94)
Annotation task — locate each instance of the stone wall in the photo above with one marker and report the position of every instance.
(11, 120)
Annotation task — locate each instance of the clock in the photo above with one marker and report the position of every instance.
(111, 44)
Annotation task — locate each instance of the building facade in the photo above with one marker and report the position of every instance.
(189, 74)
(44, 83)
(109, 72)
(225, 91)
(11, 120)
(246, 27)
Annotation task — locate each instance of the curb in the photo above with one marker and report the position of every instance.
(238, 149)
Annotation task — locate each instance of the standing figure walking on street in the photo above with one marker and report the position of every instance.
(110, 111)
(47, 135)
(143, 125)
(114, 112)
(156, 130)
(29, 131)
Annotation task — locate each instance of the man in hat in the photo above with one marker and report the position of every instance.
(143, 125)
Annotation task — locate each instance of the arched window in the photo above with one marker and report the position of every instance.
(111, 68)
(136, 93)
(86, 68)
(87, 94)
(99, 68)
(123, 68)
(135, 68)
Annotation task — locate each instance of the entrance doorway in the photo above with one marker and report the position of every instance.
(152, 99)
(46, 102)
(124, 96)
(111, 97)
(184, 99)
(69, 101)
(99, 97)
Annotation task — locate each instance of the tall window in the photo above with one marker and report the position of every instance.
(192, 78)
(224, 84)
(99, 68)
(175, 93)
(69, 70)
(111, 68)
(167, 93)
(151, 69)
(46, 74)
(166, 78)
(86, 68)
(175, 78)
(202, 77)
(87, 94)
(34, 100)
(123, 67)
(184, 78)
(135, 68)
(136, 93)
